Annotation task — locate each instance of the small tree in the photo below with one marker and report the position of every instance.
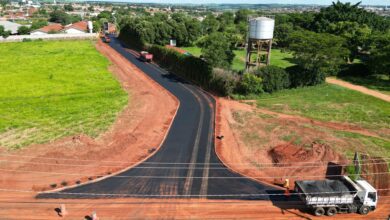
(68, 7)
(36, 24)
(274, 78)
(3, 32)
(23, 30)
(59, 17)
(251, 84)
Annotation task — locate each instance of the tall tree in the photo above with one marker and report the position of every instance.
(242, 16)
(319, 54)
(210, 24)
(217, 50)
(356, 35)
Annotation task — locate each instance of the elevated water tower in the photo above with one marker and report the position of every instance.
(261, 33)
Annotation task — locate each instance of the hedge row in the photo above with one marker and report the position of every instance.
(131, 38)
(224, 82)
(195, 70)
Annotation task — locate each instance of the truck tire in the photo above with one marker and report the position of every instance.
(331, 211)
(364, 210)
(319, 211)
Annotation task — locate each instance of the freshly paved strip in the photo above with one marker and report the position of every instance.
(187, 138)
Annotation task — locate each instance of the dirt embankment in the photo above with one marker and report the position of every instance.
(377, 172)
(137, 133)
(272, 147)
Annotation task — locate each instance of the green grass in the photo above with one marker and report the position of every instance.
(54, 89)
(278, 58)
(330, 103)
(195, 51)
(366, 140)
(375, 82)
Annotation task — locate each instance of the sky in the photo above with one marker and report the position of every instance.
(319, 2)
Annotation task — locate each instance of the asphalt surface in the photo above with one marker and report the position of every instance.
(186, 165)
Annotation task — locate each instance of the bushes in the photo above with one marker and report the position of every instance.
(300, 77)
(191, 68)
(355, 69)
(274, 78)
(250, 84)
(224, 82)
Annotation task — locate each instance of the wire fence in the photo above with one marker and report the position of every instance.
(181, 163)
(185, 177)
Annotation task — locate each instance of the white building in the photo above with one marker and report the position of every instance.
(10, 26)
(77, 28)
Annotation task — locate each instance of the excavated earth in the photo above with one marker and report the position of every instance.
(255, 145)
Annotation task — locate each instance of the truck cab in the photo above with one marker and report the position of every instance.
(341, 195)
(145, 56)
(367, 194)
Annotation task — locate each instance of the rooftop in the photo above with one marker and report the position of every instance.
(10, 26)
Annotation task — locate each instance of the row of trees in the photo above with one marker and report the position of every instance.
(59, 16)
(323, 43)
(216, 35)
(360, 35)
(160, 28)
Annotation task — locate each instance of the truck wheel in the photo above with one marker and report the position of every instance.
(364, 210)
(319, 211)
(331, 211)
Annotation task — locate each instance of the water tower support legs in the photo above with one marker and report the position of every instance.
(269, 52)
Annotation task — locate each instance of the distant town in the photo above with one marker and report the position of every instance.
(37, 18)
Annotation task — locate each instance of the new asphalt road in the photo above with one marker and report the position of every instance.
(186, 165)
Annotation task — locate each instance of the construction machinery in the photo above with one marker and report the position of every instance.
(334, 196)
(145, 56)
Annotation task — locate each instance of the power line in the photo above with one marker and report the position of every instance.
(146, 162)
(195, 177)
(193, 195)
(172, 167)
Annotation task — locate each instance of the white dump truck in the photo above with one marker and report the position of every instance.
(341, 195)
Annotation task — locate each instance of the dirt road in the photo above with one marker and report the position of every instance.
(361, 89)
(23, 206)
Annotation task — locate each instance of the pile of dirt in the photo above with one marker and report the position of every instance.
(288, 154)
(316, 162)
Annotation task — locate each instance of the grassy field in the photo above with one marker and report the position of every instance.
(330, 103)
(278, 58)
(55, 89)
(375, 82)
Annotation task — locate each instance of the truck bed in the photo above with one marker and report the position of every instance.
(323, 192)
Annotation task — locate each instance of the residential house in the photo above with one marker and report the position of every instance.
(77, 28)
(10, 26)
(49, 29)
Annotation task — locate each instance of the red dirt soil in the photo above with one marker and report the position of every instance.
(136, 134)
(262, 164)
(380, 179)
(23, 205)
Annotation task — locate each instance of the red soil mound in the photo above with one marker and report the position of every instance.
(288, 154)
(298, 163)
